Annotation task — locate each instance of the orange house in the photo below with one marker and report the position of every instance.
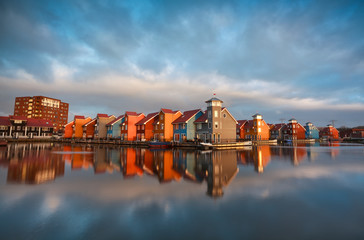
(163, 128)
(89, 129)
(145, 127)
(78, 126)
(128, 127)
(128, 161)
(164, 166)
(257, 129)
(68, 130)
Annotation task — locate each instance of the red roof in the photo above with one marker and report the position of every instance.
(114, 121)
(5, 121)
(249, 124)
(132, 113)
(79, 117)
(102, 115)
(202, 119)
(32, 122)
(187, 115)
(147, 118)
(17, 117)
(277, 126)
(241, 123)
(86, 124)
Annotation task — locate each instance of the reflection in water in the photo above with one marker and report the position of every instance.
(39, 163)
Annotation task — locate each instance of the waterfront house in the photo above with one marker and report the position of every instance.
(329, 132)
(68, 130)
(145, 127)
(218, 121)
(18, 126)
(162, 126)
(240, 133)
(100, 126)
(257, 129)
(184, 128)
(293, 130)
(128, 127)
(276, 132)
(38, 128)
(5, 127)
(358, 133)
(113, 128)
(79, 121)
(312, 131)
(89, 129)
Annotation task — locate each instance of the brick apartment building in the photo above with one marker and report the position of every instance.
(40, 107)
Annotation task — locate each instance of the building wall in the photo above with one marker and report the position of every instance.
(41, 107)
(78, 127)
(68, 130)
(228, 126)
(90, 129)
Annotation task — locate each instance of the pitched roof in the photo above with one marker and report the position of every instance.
(202, 119)
(86, 124)
(5, 121)
(186, 116)
(102, 115)
(32, 122)
(213, 99)
(278, 126)
(115, 120)
(241, 123)
(225, 109)
(249, 124)
(165, 110)
(147, 118)
(131, 113)
(79, 117)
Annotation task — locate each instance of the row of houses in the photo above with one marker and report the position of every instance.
(215, 124)
(23, 127)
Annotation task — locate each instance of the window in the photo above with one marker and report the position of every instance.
(216, 113)
(209, 125)
(209, 114)
(259, 130)
(161, 116)
(199, 126)
(216, 125)
(224, 115)
(184, 126)
(258, 123)
(162, 126)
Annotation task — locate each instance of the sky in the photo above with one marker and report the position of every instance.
(282, 59)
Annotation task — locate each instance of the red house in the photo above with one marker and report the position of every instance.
(329, 132)
(293, 130)
(145, 127)
(128, 127)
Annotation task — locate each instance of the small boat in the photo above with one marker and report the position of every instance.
(160, 145)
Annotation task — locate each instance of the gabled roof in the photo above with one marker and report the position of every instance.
(102, 115)
(225, 109)
(72, 122)
(241, 123)
(149, 117)
(249, 124)
(32, 122)
(92, 121)
(115, 120)
(202, 119)
(131, 113)
(278, 126)
(186, 116)
(79, 117)
(165, 110)
(5, 121)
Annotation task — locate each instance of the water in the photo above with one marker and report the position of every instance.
(100, 192)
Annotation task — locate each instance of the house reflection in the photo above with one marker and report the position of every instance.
(32, 163)
(128, 163)
(259, 156)
(185, 162)
(163, 166)
(219, 168)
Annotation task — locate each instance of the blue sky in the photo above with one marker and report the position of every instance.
(283, 59)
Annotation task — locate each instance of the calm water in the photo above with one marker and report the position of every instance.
(97, 192)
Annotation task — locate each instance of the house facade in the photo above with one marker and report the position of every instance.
(162, 127)
(257, 129)
(113, 128)
(329, 132)
(23, 127)
(220, 124)
(312, 131)
(100, 127)
(79, 121)
(357, 133)
(145, 127)
(184, 128)
(293, 130)
(128, 127)
(276, 132)
(240, 133)
(5, 127)
(89, 129)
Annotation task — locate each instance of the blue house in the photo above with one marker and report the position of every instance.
(184, 128)
(312, 132)
(113, 127)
